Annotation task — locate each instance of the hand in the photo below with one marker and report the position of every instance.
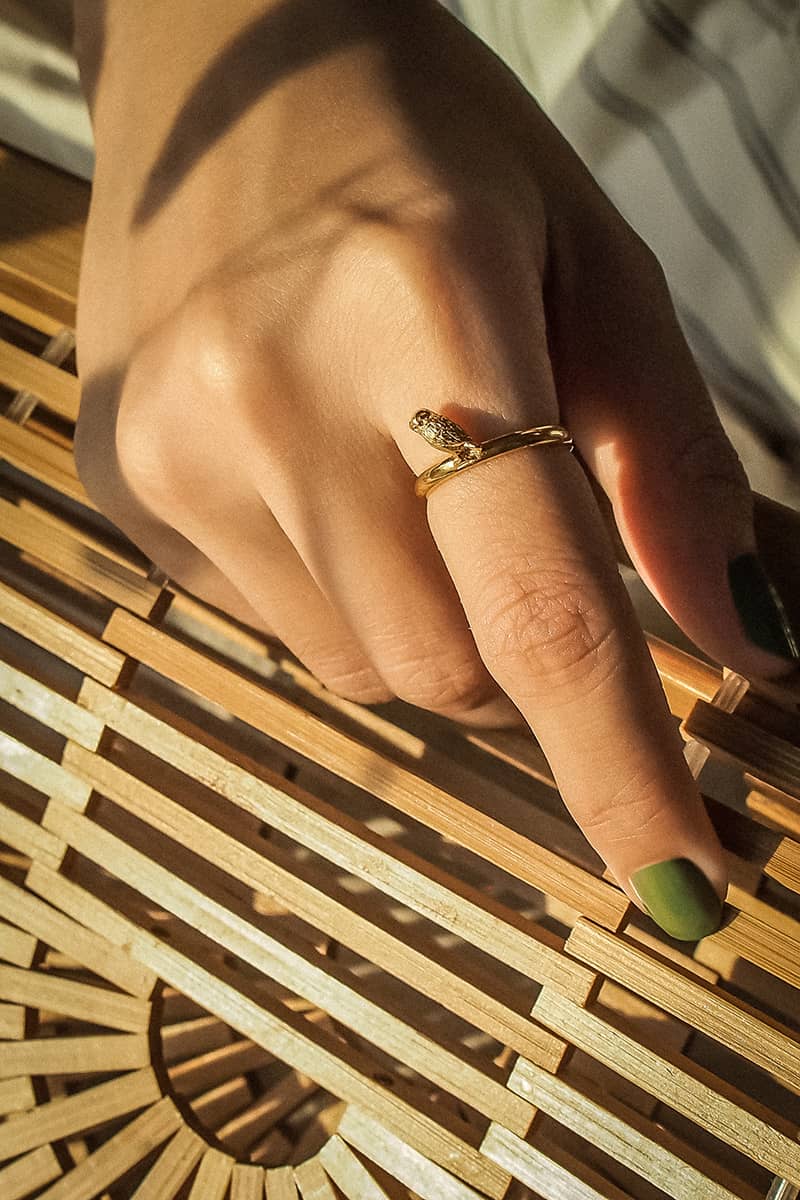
(311, 220)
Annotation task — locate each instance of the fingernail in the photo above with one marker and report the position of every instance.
(679, 898)
(759, 606)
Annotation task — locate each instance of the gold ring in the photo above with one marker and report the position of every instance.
(446, 435)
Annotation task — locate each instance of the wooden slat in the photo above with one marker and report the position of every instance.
(625, 1141)
(42, 223)
(678, 1084)
(312, 1181)
(12, 1025)
(348, 1172)
(43, 459)
(765, 937)
(723, 1018)
(118, 1154)
(281, 1185)
(763, 755)
(16, 946)
(172, 1167)
(42, 773)
(16, 1095)
(419, 970)
(18, 905)
(429, 1180)
(254, 946)
(54, 711)
(213, 1176)
(365, 768)
(24, 372)
(79, 1113)
(36, 623)
(75, 1055)
(481, 920)
(564, 1180)
(784, 864)
(23, 300)
(325, 984)
(69, 554)
(247, 1183)
(73, 998)
(28, 836)
(28, 1173)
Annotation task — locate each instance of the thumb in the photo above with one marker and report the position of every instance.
(647, 429)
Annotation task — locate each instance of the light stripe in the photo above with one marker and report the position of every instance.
(753, 138)
(715, 230)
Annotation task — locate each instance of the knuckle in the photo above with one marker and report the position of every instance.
(444, 685)
(545, 627)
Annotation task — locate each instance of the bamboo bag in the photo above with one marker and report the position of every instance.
(257, 941)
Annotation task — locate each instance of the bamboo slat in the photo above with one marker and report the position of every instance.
(22, 371)
(213, 1176)
(28, 1173)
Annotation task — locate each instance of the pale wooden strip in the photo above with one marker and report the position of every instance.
(348, 1172)
(312, 1182)
(213, 1176)
(203, 1071)
(259, 872)
(28, 1173)
(403, 1162)
(42, 773)
(43, 459)
(55, 929)
(551, 1180)
(172, 1167)
(365, 768)
(276, 1032)
(762, 754)
(70, 555)
(28, 836)
(16, 946)
(784, 864)
(326, 986)
(683, 672)
(677, 1083)
(79, 1113)
(75, 1055)
(16, 1095)
(247, 1183)
(281, 1185)
(72, 998)
(24, 372)
(627, 1143)
(12, 1024)
(481, 920)
(49, 708)
(254, 1121)
(723, 1018)
(36, 623)
(293, 1040)
(775, 813)
(118, 1154)
(762, 935)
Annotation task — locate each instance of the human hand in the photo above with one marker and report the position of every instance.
(309, 221)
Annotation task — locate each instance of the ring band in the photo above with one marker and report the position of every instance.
(445, 434)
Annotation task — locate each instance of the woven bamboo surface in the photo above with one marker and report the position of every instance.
(257, 941)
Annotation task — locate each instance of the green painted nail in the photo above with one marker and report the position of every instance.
(679, 898)
(759, 606)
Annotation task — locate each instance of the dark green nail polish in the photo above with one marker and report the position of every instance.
(759, 606)
(679, 898)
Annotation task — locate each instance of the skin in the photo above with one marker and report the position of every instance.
(309, 221)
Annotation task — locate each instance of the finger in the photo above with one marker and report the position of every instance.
(371, 553)
(525, 546)
(245, 542)
(632, 394)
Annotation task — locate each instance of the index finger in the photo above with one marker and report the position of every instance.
(533, 565)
